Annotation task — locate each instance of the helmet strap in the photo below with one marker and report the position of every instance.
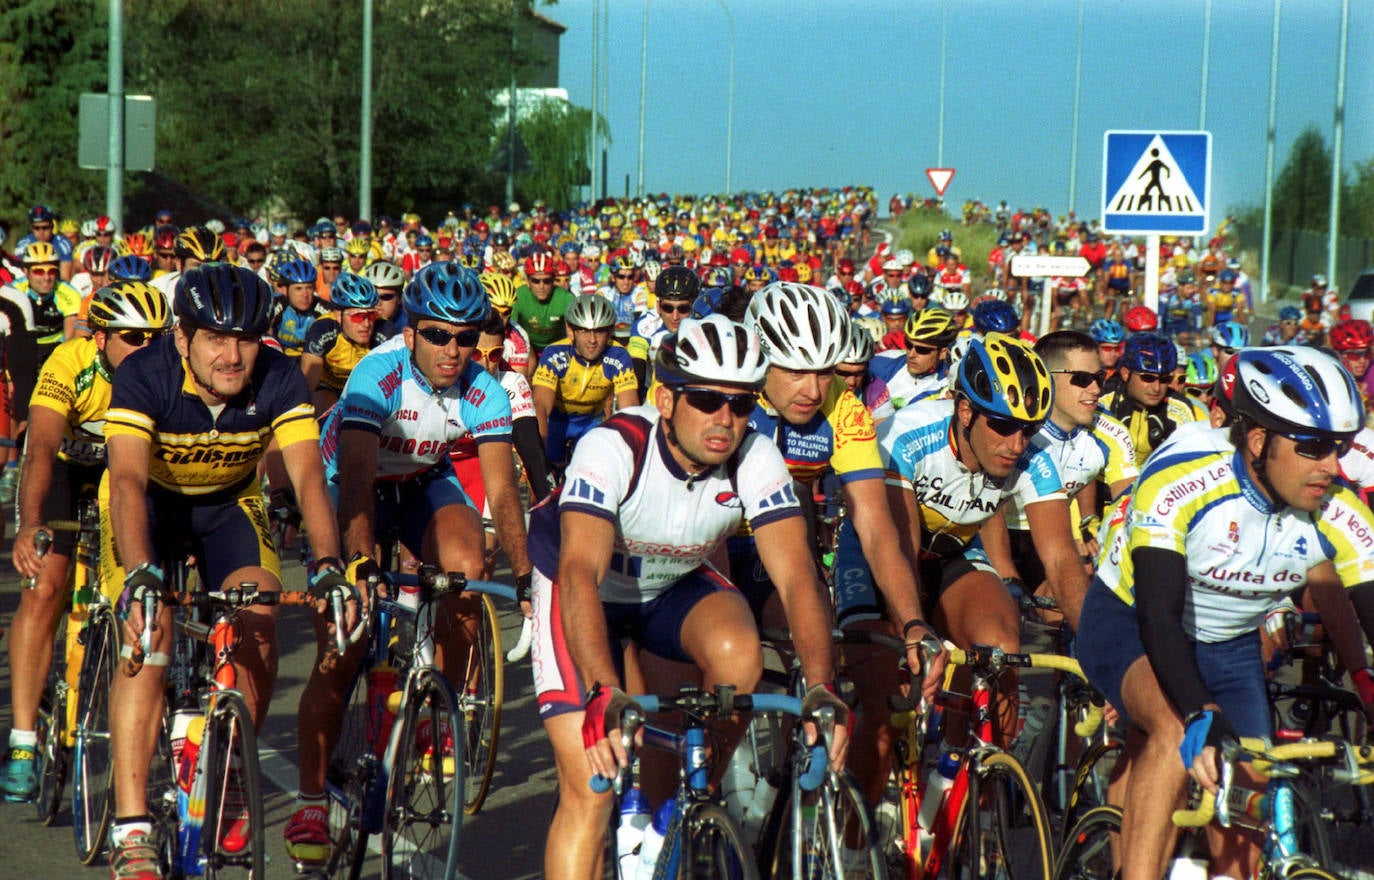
(671, 435)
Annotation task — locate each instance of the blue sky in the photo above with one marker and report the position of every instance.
(837, 92)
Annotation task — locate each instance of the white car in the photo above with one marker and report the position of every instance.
(1361, 298)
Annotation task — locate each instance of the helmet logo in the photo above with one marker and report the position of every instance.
(1257, 391)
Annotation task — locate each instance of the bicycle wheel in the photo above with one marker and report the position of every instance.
(481, 705)
(1095, 769)
(1003, 831)
(424, 795)
(52, 734)
(1310, 874)
(1090, 846)
(836, 834)
(714, 846)
(352, 770)
(92, 780)
(1312, 829)
(232, 836)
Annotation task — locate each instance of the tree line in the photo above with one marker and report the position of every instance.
(1302, 192)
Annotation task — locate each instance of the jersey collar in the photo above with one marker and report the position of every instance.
(1248, 488)
(665, 452)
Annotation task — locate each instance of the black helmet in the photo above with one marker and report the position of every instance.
(677, 283)
(229, 299)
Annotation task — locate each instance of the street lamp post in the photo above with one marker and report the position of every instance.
(730, 117)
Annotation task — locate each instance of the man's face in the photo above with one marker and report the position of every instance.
(490, 353)
(672, 312)
(1300, 472)
(995, 452)
(164, 260)
(1077, 386)
(1146, 389)
(1356, 361)
(357, 324)
(541, 285)
(326, 238)
(255, 259)
(1109, 354)
(1223, 355)
(441, 349)
(892, 277)
(119, 344)
(220, 362)
(42, 278)
(357, 262)
(42, 230)
(755, 285)
(591, 344)
(330, 271)
(1288, 329)
(921, 357)
(703, 419)
(388, 302)
(852, 375)
(301, 296)
(624, 280)
(738, 268)
(796, 394)
(591, 263)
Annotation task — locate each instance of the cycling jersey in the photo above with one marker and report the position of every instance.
(43, 316)
(516, 349)
(1081, 456)
(340, 354)
(75, 383)
(1357, 465)
(668, 522)
(918, 453)
(1149, 428)
(416, 424)
(1196, 498)
(290, 326)
(904, 389)
(648, 333)
(517, 390)
(543, 321)
(196, 451)
(839, 438)
(581, 386)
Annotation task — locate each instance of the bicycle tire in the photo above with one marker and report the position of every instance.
(424, 809)
(92, 764)
(230, 753)
(1314, 837)
(1002, 823)
(351, 773)
(714, 847)
(482, 708)
(51, 730)
(1310, 874)
(854, 844)
(1088, 850)
(1094, 770)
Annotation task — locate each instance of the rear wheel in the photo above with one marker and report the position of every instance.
(52, 748)
(1095, 769)
(92, 804)
(232, 836)
(1003, 831)
(714, 846)
(1091, 847)
(424, 796)
(481, 706)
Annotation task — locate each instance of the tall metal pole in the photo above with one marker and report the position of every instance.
(643, 94)
(114, 167)
(365, 132)
(1206, 61)
(1266, 246)
(1337, 137)
(510, 106)
(1077, 93)
(605, 85)
(594, 151)
(730, 113)
(944, 32)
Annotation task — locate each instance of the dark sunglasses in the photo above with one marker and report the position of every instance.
(1317, 448)
(387, 297)
(541, 281)
(1007, 427)
(166, 255)
(1083, 378)
(1226, 349)
(681, 308)
(258, 262)
(441, 338)
(1150, 378)
(850, 374)
(139, 338)
(919, 348)
(42, 227)
(624, 277)
(708, 401)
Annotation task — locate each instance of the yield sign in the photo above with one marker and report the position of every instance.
(940, 178)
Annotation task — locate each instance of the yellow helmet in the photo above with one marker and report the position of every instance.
(500, 289)
(138, 244)
(129, 305)
(68, 227)
(200, 243)
(1002, 377)
(932, 325)
(40, 252)
(358, 247)
(502, 261)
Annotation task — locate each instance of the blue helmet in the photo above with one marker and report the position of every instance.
(1298, 392)
(351, 291)
(895, 307)
(1230, 334)
(424, 241)
(1149, 353)
(995, 316)
(130, 268)
(1226, 275)
(1003, 377)
(1287, 313)
(229, 299)
(1105, 332)
(447, 292)
(297, 272)
(708, 302)
(918, 284)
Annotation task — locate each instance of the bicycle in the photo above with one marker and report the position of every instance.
(404, 784)
(702, 839)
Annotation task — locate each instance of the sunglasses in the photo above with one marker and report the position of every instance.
(43, 273)
(1007, 427)
(441, 338)
(139, 338)
(918, 348)
(1317, 448)
(1150, 378)
(707, 401)
(541, 281)
(488, 354)
(674, 308)
(1118, 347)
(1226, 349)
(362, 317)
(850, 374)
(387, 297)
(623, 277)
(42, 227)
(107, 233)
(1083, 378)
(253, 262)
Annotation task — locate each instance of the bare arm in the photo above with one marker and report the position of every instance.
(312, 365)
(587, 542)
(357, 470)
(544, 399)
(1053, 535)
(46, 429)
(996, 541)
(128, 456)
(1338, 615)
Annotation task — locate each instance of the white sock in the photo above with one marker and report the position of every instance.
(304, 800)
(21, 738)
(122, 829)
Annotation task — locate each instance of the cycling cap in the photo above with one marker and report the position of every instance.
(128, 305)
(1202, 369)
(1290, 313)
(351, 291)
(954, 300)
(918, 285)
(800, 327)
(1297, 391)
(40, 252)
(1003, 377)
(861, 347)
(230, 299)
(712, 350)
(98, 258)
(447, 292)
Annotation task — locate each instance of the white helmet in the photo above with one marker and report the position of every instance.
(861, 345)
(590, 311)
(89, 228)
(956, 353)
(383, 274)
(954, 300)
(713, 350)
(905, 257)
(1297, 391)
(800, 327)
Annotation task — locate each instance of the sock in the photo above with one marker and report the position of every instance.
(23, 738)
(303, 800)
(122, 828)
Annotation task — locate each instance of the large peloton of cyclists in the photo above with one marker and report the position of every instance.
(730, 416)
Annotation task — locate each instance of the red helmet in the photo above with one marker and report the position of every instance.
(719, 259)
(561, 268)
(1352, 335)
(538, 264)
(1141, 320)
(787, 273)
(770, 232)
(165, 238)
(741, 256)
(481, 226)
(846, 265)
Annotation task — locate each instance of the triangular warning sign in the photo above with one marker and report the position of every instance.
(940, 178)
(1155, 186)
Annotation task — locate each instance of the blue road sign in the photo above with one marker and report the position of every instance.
(1156, 182)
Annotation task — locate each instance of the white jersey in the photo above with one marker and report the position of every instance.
(167, 284)
(1358, 464)
(904, 389)
(667, 522)
(1081, 456)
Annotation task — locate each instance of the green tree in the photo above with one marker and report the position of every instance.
(1302, 191)
(557, 134)
(1357, 202)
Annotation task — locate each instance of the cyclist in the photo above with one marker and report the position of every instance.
(193, 245)
(1285, 330)
(188, 421)
(922, 370)
(1111, 341)
(950, 464)
(357, 255)
(389, 280)
(540, 307)
(853, 371)
(1352, 339)
(335, 344)
(63, 460)
(95, 264)
(1140, 319)
(581, 377)
(518, 354)
(1222, 524)
(294, 313)
(41, 220)
(623, 552)
(1142, 399)
(1228, 337)
(386, 449)
(677, 288)
(331, 267)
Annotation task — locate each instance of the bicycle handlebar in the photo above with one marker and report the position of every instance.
(990, 660)
(452, 582)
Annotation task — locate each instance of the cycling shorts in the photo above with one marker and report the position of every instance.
(1233, 670)
(70, 483)
(655, 625)
(404, 509)
(564, 432)
(225, 531)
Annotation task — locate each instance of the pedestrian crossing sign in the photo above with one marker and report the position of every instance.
(1156, 182)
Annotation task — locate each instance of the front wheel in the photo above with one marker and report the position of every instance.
(52, 751)
(1003, 831)
(232, 834)
(92, 780)
(481, 705)
(833, 837)
(714, 846)
(1092, 846)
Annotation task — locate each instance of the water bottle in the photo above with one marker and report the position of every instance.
(760, 804)
(653, 840)
(938, 783)
(409, 596)
(1191, 861)
(181, 721)
(1035, 724)
(190, 810)
(738, 785)
(382, 682)
(635, 816)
